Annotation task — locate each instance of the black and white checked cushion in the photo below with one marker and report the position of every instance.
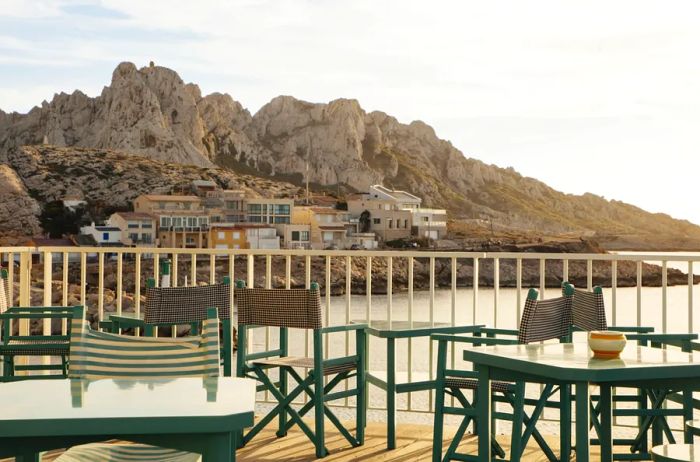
(306, 363)
(545, 319)
(182, 305)
(42, 347)
(297, 308)
(588, 310)
(473, 384)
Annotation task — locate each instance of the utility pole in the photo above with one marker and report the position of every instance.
(308, 154)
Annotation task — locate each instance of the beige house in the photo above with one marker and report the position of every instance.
(276, 212)
(182, 221)
(137, 229)
(328, 229)
(297, 236)
(395, 214)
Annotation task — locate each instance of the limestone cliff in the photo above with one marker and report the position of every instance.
(18, 210)
(151, 112)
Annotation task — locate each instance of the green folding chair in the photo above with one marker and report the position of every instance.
(300, 309)
(588, 313)
(182, 306)
(541, 320)
(14, 345)
(93, 356)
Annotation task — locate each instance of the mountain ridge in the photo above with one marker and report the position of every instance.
(151, 112)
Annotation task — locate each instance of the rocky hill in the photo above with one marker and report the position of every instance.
(151, 112)
(36, 175)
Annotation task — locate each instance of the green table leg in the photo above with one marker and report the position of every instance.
(582, 422)
(483, 412)
(606, 447)
(219, 448)
(391, 393)
(687, 415)
(565, 422)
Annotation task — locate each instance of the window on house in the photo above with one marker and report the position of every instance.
(425, 219)
(220, 235)
(134, 237)
(281, 220)
(296, 235)
(281, 209)
(304, 236)
(132, 225)
(146, 225)
(236, 234)
(105, 237)
(146, 238)
(405, 223)
(391, 223)
(376, 221)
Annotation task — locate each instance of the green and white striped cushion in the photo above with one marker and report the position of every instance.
(105, 452)
(97, 355)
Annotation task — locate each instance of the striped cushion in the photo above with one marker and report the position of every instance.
(588, 310)
(95, 355)
(545, 319)
(299, 308)
(183, 305)
(105, 452)
(4, 304)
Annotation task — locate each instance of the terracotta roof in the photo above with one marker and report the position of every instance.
(135, 215)
(173, 198)
(43, 242)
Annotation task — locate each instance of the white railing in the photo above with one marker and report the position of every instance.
(419, 286)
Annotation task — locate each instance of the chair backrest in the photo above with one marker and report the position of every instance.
(184, 305)
(545, 319)
(297, 308)
(96, 355)
(588, 308)
(4, 303)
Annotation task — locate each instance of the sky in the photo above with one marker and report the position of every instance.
(587, 96)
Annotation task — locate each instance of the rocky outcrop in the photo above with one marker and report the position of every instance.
(114, 178)
(18, 210)
(151, 112)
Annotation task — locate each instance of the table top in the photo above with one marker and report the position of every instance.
(676, 453)
(404, 329)
(575, 362)
(31, 407)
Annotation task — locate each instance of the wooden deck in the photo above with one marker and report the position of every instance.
(414, 444)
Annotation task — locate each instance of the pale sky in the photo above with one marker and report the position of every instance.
(587, 96)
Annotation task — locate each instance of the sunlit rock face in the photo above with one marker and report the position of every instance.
(150, 112)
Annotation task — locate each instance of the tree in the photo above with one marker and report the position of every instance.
(59, 221)
(365, 218)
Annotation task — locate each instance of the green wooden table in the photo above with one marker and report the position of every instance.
(188, 414)
(391, 332)
(572, 363)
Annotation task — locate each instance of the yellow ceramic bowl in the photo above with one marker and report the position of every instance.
(606, 344)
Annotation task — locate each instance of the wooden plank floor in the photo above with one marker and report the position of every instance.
(414, 444)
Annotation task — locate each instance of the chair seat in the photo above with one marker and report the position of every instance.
(106, 452)
(473, 384)
(42, 347)
(675, 453)
(306, 363)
